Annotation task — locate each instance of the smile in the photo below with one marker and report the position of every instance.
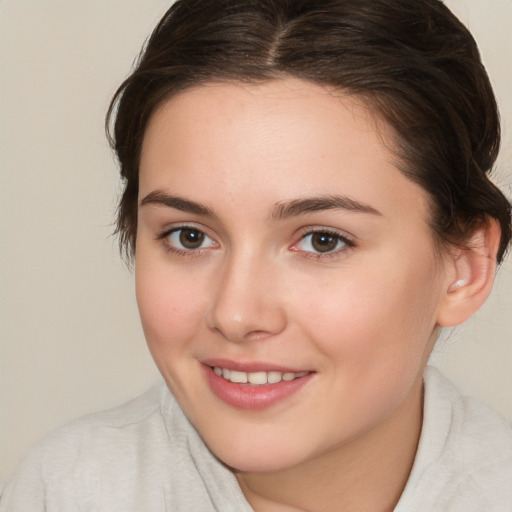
(257, 378)
(256, 388)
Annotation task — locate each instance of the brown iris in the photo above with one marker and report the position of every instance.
(191, 238)
(324, 242)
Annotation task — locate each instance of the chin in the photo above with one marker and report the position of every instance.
(250, 464)
(257, 458)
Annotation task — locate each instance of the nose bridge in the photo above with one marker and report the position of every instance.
(246, 302)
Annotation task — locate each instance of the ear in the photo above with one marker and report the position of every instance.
(470, 275)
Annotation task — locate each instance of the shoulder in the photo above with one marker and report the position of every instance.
(108, 430)
(70, 460)
(144, 455)
(464, 458)
(472, 428)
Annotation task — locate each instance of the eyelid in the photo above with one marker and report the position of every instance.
(164, 234)
(342, 236)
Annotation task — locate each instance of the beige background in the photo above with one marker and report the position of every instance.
(70, 337)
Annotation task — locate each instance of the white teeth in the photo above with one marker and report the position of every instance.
(257, 378)
(238, 377)
(274, 377)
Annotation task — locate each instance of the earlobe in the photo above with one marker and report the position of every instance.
(471, 276)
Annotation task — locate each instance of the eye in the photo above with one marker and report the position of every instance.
(322, 242)
(188, 239)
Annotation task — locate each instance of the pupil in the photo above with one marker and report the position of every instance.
(324, 242)
(191, 238)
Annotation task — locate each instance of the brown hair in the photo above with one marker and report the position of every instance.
(412, 62)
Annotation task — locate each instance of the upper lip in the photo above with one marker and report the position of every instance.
(249, 366)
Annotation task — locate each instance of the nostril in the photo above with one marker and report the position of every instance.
(257, 335)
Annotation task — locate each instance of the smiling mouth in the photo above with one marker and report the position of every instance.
(253, 386)
(257, 378)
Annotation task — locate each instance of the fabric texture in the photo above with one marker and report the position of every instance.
(145, 455)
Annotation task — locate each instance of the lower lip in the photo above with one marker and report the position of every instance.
(247, 396)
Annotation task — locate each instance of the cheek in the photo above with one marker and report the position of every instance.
(169, 306)
(378, 314)
(376, 334)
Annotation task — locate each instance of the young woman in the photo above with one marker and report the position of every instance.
(307, 204)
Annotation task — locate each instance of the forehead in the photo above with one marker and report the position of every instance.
(264, 113)
(278, 138)
(265, 108)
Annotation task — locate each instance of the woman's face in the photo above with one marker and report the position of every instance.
(278, 243)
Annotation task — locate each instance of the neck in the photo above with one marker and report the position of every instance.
(367, 473)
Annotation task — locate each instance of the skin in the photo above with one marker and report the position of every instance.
(362, 318)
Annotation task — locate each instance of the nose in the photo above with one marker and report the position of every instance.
(246, 303)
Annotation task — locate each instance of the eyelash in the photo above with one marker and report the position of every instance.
(306, 232)
(164, 239)
(338, 237)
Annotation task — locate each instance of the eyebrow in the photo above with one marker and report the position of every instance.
(314, 204)
(178, 203)
(281, 211)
